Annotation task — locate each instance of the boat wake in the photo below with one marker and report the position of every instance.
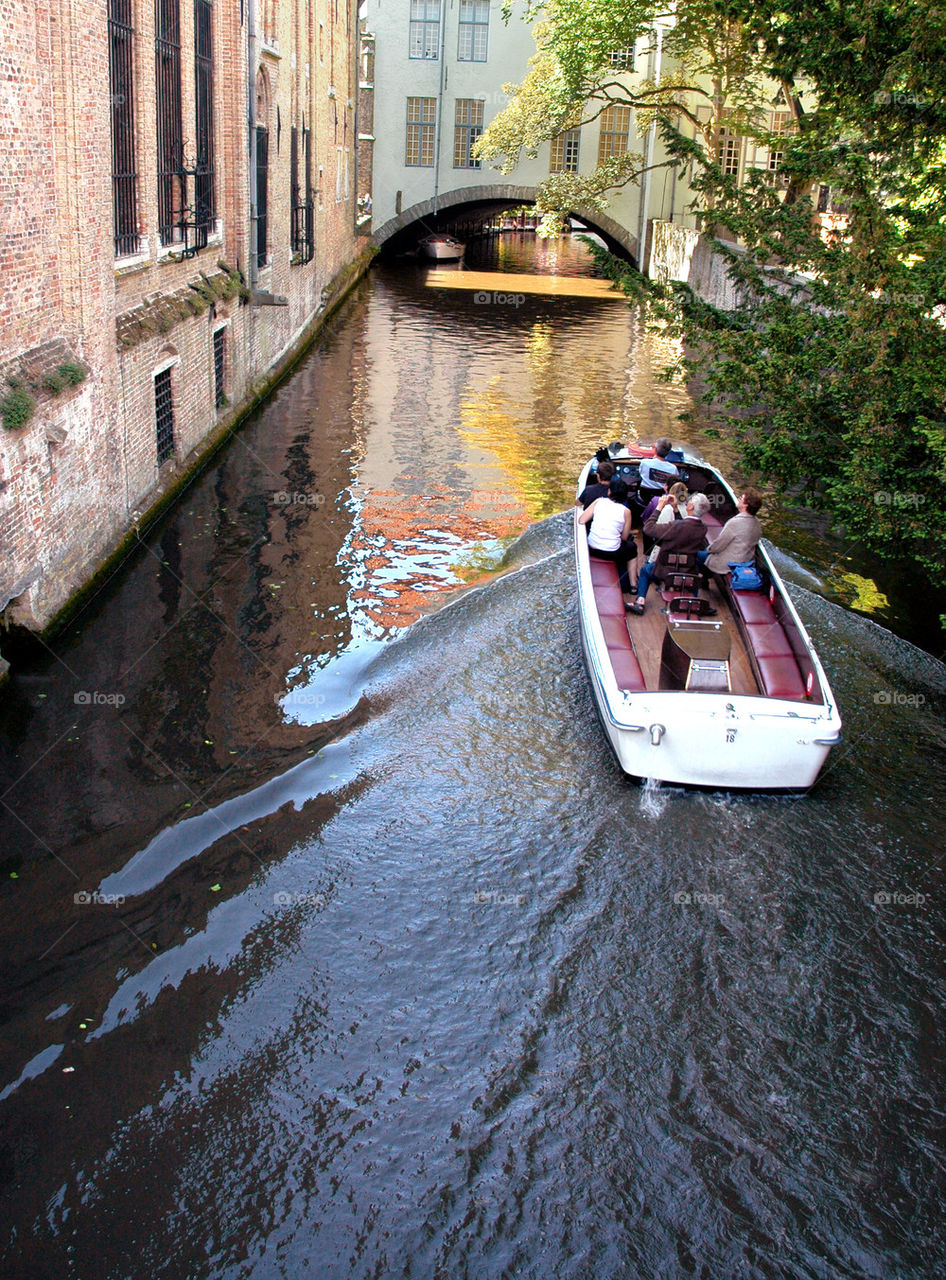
(653, 798)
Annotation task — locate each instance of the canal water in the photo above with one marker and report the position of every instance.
(335, 944)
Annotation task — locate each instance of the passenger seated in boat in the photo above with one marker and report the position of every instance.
(609, 537)
(654, 470)
(672, 511)
(688, 534)
(600, 488)
(738, 538)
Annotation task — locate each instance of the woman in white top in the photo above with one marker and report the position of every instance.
(610, 537)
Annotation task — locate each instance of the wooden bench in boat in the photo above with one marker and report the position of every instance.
(610, 605)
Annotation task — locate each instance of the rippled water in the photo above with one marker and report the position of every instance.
(406, 979)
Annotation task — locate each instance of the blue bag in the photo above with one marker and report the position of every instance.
(745, 576)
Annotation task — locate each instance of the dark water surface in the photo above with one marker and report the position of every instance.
(340, 947)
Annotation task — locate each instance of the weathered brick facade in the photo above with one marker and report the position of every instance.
(84, 468)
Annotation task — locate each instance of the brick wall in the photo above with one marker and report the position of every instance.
(84, 469)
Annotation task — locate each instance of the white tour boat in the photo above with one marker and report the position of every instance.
(442, 248)
(708, 687)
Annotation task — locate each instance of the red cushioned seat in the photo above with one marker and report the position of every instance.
(604, 573)
(609, 602)
(615, 632)
(768, 640)
(713, 527)
(781, 678)
(627, 670)
(753, 606)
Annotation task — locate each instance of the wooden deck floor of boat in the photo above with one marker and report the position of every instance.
(647, 636)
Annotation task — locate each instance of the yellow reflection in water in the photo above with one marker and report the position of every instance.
(492, 284)
(867, 597)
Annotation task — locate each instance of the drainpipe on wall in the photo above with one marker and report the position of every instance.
(643, 249)
(443, 72)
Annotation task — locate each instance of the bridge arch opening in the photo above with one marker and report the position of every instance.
(462, 211)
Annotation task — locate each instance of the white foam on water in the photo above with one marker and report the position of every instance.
(653, 798)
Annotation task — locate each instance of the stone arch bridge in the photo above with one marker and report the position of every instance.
(481, 203)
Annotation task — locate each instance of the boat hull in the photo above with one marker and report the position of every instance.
(442, 250)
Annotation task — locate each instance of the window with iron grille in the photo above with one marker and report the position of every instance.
(294, 199)
(164, 415)
(564, 157)
(615, 125)
(220, 395)
(474, 31)
(121, 87)
(303, 216)
(424, 31)
(421, 125)
(167, 63)
(469, 126)
(262, 194)
(205, 201)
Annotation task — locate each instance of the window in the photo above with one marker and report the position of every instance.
(421, 118)
(474, 31)
(164, 415)
(469, 126)
(220, 338)
(262, 194)
(303, 238)
(121, 86)
(729, 152)
(205, 203)
(622, 59)
(781, 123)
(424, 38)
(167, 63)
(615, 125)
(565, 152)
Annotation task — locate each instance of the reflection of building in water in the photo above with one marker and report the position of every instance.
(474, 421)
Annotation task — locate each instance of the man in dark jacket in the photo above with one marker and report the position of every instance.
(599, 489)
(688, 534)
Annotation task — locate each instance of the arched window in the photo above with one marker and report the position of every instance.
(262, 168)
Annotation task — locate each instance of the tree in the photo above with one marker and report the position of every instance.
(703, 74)
(831, 371)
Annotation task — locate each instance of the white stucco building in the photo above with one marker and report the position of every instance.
(435, 69)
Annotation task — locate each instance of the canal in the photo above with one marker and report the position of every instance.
(334, 943)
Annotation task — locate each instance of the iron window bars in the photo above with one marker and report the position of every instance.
(180, 222)
(303, 210)
(121, 87)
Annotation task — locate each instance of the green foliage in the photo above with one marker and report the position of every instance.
(16, 408)
(831, 371)
(54, 382)
(73, 373)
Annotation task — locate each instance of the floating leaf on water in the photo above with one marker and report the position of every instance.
(215, 888)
